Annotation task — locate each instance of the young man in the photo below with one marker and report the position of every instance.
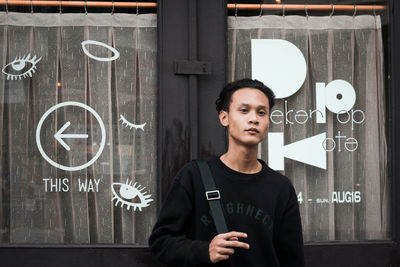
(260, 205)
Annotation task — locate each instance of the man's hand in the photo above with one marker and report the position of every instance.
(221, 247)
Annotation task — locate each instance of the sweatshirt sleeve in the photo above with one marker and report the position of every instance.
(290, 247)
(168, 240)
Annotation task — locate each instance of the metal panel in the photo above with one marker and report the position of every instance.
(193, 31)
(394, 115)
(53, 255)
(362, 254)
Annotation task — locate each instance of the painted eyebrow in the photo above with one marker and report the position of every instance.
(247, 105)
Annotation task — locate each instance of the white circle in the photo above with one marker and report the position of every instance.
(102, 143)
(114, 57)
(346, 102)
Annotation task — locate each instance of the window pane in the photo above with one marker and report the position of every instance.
(78, 128)
(327, 129)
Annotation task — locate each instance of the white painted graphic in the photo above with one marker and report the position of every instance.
(279, 64)
(346, 197)
(309, 151)
(88, 185)
(282, 67)
(59, 136)
(92, 42)
(338, 96)
(337, 197)
(131, 125)
(18, 64)
(83, 185)
(130, 192)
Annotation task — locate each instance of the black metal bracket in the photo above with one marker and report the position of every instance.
(192, 67)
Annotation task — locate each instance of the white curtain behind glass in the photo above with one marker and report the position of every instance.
(126, 86)
(337, 47)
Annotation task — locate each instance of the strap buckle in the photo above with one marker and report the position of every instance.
(213, 195)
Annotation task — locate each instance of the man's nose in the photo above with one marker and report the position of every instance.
(253, 118)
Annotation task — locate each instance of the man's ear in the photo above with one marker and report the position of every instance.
(223, 118)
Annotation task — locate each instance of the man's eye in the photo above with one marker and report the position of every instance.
(262, 113)
(243, 110)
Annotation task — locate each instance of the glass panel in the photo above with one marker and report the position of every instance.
(327, 129)
(78, 119)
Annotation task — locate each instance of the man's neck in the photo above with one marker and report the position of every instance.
(242, 159)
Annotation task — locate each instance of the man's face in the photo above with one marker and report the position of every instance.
(248, 117)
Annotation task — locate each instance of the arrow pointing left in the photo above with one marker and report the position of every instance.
(59, 136)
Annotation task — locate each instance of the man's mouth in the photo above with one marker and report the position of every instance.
(252, 130)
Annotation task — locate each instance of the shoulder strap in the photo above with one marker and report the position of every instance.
(213, 196)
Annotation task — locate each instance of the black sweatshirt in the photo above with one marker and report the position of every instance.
(263, 205)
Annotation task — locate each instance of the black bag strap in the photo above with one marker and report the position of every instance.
(213, 196)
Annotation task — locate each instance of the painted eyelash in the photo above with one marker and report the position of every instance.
(131, 125)
(18, 64)
(129, 191)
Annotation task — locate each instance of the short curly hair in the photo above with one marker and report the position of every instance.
(225, 96)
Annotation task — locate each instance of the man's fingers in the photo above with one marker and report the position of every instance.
(221, 247)
(226, 251)
(236, 244)
(222, 257)
(234, 234)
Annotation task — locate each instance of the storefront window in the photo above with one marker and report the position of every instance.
(78, 120)
(327, 130)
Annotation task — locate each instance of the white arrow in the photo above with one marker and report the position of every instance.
(59, 136)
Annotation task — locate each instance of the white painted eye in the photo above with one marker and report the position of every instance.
(14, 69)
(126, 123)
(130, 192)
(92, 42)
